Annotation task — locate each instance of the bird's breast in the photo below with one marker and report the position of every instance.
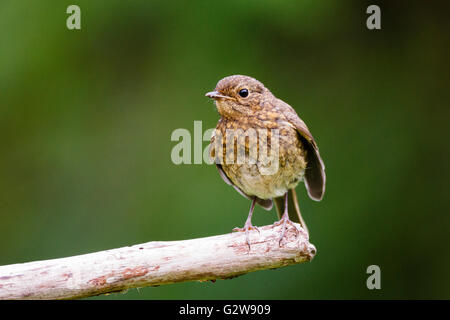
(262, 158)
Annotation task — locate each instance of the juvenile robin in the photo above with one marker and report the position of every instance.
(244, 105)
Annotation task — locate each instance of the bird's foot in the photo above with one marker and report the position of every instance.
(284, 221)
(247, 227)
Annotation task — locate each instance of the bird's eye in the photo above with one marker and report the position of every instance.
(243, 93)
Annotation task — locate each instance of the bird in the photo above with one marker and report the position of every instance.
(246, 105)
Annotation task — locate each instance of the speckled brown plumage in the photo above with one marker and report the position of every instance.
(245, 104)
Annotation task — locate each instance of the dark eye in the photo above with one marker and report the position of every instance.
(243, 93)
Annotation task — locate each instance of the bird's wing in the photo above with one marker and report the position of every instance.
(265, 203)
(315, 172)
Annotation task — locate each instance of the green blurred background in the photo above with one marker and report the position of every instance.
(86, 118)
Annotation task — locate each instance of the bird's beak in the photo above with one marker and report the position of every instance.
(216, 95)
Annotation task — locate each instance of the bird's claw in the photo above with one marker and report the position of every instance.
(283, 221)
(246, 229)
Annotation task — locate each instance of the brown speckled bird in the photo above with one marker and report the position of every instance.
(244, 103)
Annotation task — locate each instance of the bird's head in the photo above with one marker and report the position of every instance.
(237, 96)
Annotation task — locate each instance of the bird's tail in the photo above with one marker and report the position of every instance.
(293, 208)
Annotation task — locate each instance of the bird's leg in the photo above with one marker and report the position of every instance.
(285, 219)
(248, 224)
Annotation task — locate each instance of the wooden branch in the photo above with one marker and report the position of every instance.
(155, 263)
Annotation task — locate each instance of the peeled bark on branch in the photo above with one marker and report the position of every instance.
(155, 263)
